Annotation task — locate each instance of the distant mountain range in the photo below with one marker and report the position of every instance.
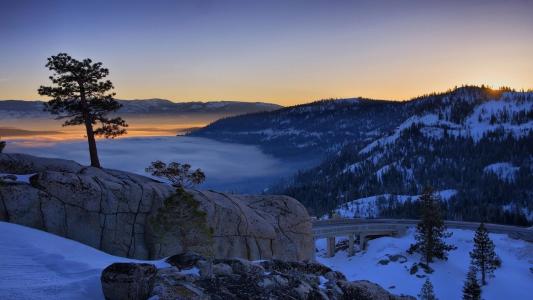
(29, 109)
(472, 144)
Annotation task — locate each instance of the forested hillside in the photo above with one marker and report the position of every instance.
(310, 130)
(475, 142)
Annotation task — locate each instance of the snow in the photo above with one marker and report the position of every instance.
(368, 207)
(23, 178)
(478, 122)
(39, 265)
(429, 120)
(447, 194)
(382, 171)
(269, 133)
(504, 170)
(512, 281)
(476, 125)
(512, 208)
(352, 168)
(217, 104)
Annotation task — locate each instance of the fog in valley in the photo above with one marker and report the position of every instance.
(228, 167)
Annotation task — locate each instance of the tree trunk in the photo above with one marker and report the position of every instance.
(93, 152)
(483, 274)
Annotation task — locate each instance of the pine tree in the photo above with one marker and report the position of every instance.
(2, 145)
(430, 231)
(81, 96)
(427, 293)
(471, 289)
(483, 255)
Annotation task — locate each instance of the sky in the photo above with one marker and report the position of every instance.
(279, 51)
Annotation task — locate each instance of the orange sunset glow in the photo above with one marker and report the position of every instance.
(353, 48)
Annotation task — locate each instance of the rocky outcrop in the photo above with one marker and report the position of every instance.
(128, 281)
(242, 279)
(134, 216)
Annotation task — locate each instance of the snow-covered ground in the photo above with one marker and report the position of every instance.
(512, 281)
(38, 265)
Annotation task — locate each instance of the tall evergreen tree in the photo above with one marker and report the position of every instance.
(471, 288)
(483, 255)
(82, 97)
(430, 231)
(427, 293)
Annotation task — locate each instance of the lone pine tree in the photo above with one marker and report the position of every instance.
(82, 97)
(427, 293)
(471, 288)
(430, 231)
(483, 255)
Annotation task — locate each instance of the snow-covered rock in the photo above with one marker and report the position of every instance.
(276, 280)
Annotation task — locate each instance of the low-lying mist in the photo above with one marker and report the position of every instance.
(228, 167)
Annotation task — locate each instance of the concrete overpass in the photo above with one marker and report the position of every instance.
(362, 229)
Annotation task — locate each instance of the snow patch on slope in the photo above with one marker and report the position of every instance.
(368, 207)
(512, 208)
(429, 121)
(501, 112)
(487, 117)
(504, 170)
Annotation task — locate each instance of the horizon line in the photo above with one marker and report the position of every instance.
(312, 101)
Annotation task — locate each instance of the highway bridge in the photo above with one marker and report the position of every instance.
(362, 229)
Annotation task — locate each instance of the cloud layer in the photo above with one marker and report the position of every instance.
(228, 167)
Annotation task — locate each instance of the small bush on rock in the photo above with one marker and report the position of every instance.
(179, 175)
(179, 225)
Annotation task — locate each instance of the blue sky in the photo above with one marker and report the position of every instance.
(280, 51)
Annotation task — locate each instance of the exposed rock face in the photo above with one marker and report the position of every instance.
(242, 279)
(128, 281)
(134, 216)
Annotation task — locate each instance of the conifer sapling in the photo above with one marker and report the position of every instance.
(471, 288)
(430, 231)
(427, 293)
(483, 256)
